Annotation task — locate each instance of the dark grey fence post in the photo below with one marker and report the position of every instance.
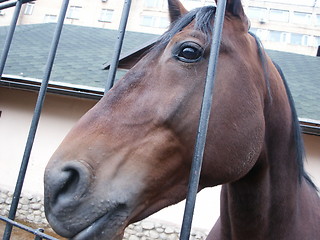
(10, 36)
(35, 119)
(118, 45)
(203, 122)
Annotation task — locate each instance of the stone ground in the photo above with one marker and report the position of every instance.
(18, 234)
(31, 210)
(137, 231)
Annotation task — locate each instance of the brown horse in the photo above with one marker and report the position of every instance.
(130, 155)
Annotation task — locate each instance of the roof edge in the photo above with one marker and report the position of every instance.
(67, 89)
(308, 126)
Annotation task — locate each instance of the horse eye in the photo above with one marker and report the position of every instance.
(189, 52)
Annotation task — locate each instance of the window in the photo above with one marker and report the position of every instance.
(153, 3)
(262, 34)
(277, 36)
(279, 15)
(74, 12)
(29, 9)
(152, 21)
(274, 36)
(318, 19)
(317, 38)
(257, 13)
(106, 15)
(299, 39)
(163, 22)
(301, 18)
(285, 37)
(313, 41)
(48, 18)
(210, 3)
(147, 21)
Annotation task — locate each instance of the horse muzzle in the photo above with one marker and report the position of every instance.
(71, 208)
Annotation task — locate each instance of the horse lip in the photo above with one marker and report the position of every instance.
(100, 229)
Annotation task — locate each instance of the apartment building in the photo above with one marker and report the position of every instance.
(292, 26)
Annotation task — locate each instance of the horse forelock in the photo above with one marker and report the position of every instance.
(203, 21)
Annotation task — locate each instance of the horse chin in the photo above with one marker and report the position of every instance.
(102, 228)
(110, 225)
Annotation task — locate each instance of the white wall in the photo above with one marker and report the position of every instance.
(59, 115)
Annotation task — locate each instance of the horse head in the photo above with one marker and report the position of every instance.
(130, 155)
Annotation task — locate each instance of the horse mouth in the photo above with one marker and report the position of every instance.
(109, 226)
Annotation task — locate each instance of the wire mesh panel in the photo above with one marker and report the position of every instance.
(37, 111)
(203, 122)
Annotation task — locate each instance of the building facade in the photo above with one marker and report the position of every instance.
(291, 26)
(284, 26)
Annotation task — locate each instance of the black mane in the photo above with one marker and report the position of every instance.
(296, 132)
(299, 146)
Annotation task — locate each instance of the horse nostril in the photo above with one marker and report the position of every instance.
(69, 184)
(65, 186)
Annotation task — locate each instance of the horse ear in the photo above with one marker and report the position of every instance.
(234, 7)
(176, 10)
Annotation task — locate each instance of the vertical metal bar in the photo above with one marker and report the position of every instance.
(118, 45)
(9, 37)
(35, 119)
(203, 122)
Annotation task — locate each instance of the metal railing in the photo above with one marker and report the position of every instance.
(203, 121)
(37, 111)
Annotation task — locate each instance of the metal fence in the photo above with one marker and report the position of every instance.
(203, 122)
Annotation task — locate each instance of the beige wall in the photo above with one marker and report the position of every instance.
(59, 115)
(312, 145)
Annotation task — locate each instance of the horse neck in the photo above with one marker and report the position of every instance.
(271, 189)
